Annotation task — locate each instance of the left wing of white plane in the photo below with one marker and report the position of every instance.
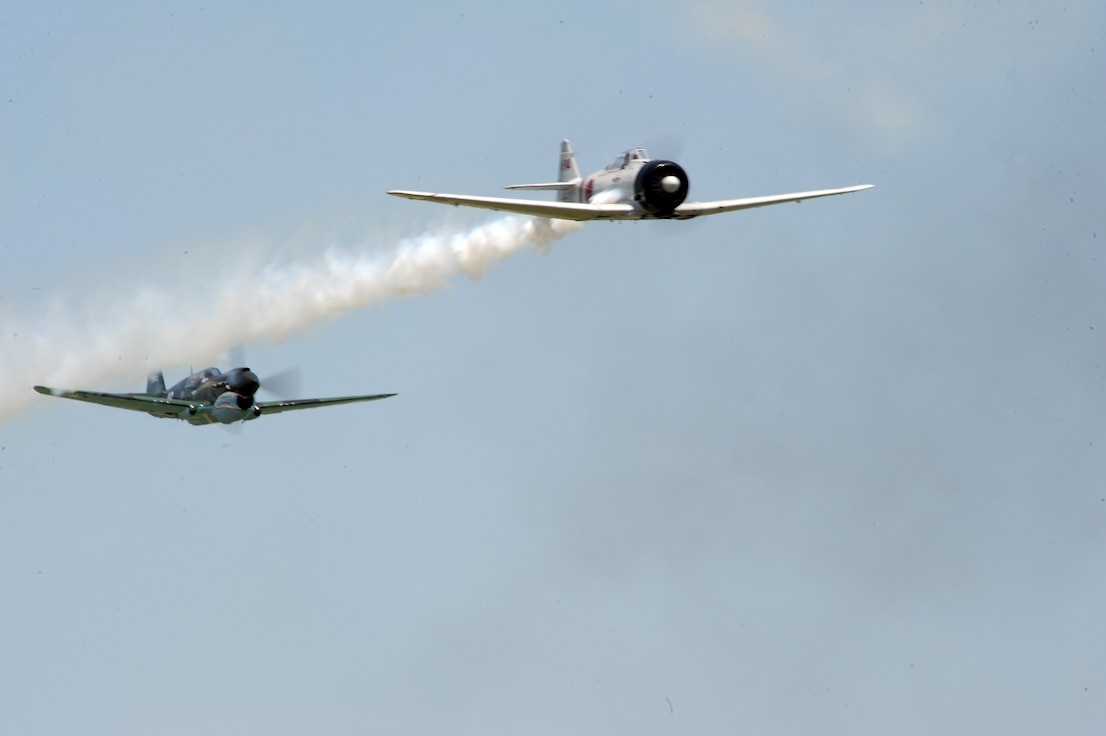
(687, 210)
(616, 211)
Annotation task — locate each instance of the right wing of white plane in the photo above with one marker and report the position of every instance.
(537, 208)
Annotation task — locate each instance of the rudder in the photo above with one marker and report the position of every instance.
(568, 177)
(155, 385)
(568, 171)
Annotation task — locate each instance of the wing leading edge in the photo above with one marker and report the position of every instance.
(618, 211)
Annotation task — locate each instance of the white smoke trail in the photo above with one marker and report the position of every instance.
(159, 327)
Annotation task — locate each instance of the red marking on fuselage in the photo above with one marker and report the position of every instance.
(585, 191)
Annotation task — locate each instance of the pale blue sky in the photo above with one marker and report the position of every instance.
(834, 467)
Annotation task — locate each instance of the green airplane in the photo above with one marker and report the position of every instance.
(205, 397)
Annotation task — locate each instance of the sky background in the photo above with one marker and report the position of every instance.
(834, 467)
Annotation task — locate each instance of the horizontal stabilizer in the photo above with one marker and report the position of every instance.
(556, 186)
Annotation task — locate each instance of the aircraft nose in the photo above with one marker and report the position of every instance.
(244, 382)
(670, 184)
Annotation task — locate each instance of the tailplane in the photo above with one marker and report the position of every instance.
(568, 176)
(155, 385)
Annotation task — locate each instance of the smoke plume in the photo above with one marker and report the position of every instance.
(154, 327)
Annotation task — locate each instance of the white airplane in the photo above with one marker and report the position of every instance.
(632, 187)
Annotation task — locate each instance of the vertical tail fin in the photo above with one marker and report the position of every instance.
(568, 172)
(568, 177)
(155, 385)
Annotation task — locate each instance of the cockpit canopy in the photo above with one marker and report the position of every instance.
(201, 377)
(627, 157)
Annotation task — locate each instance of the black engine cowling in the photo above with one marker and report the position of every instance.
(660, 187)
(244, 382)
